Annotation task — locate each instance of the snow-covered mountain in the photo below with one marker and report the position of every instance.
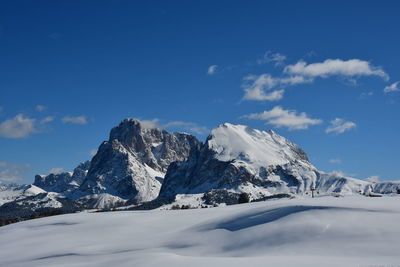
(140, 164)
(237, 158)
(132, 163)
(9, 193)
(129, 166)
(63, 182)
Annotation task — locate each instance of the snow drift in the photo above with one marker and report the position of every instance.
(324, 231)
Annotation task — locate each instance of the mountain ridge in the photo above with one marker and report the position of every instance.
(138, 164)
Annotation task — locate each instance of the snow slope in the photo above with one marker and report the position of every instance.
(14, 192)
(325, 231)
(256, 148)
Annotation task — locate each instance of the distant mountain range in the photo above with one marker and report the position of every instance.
(140, 165)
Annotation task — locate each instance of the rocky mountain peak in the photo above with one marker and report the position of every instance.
(242, 159)
(130, 132)
(65, 181)
(153, 146)
(131, 164)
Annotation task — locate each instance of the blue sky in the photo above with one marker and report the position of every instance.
(314, 72)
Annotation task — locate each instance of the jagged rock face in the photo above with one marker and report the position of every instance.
(236, 156)
(387, 187)
(134, 160)
(241, 159)
(80, 172)
(63, 182)
(155, 147)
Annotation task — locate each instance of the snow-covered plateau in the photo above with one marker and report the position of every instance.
(322, 231)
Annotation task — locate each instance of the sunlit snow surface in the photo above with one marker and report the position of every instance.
(259, 148)
(326, 231)
(11, 193)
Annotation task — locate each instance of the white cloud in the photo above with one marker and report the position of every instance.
(331, 67)
(392, 88)
(76, 120)
(373, 179)
(17, 127)
(261, 82)
(290, 119)
(150, 124)
(56, 170)
(47, 119)
(190, 126)
(212, 69)
(341, 173)
(257, 87)
(294, 80)
(12, 172)
(366, 95)
(335, 161)
(340, 126)
(311, 54)
(257, 94)
(40, 108)
(276, 58)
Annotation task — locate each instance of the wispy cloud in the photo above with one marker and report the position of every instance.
(47, 119)
(75, 120)
(289, 119)
(331, 67)
(56, 170)
(190, 126)
(342, 173)
(366, 95)
(392, 88)
(335, 161)
(340, 126)
(18, 127)
(12, 173)
(40, 108)
(276, 58)
(150, 124)
(373, 179)
(212, 69)
(184, 125)
(22, 126)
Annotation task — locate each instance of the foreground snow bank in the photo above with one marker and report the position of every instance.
(326, 231)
